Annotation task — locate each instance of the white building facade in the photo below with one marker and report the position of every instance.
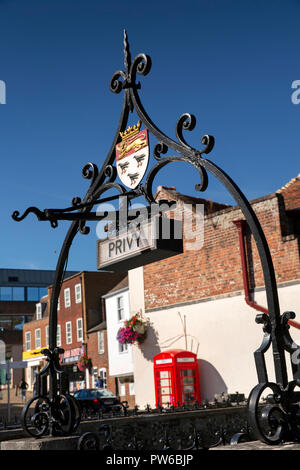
(120, 356)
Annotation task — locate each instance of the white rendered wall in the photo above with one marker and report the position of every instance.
(222, 333)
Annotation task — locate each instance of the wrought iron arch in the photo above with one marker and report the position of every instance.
(270, 424)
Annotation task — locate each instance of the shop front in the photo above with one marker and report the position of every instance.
(69, 360)
(35, 363)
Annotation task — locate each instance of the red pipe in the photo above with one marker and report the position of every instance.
(241, 226)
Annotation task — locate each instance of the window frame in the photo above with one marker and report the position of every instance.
(122, 389)
(36, 339)
(79, 338)
(58, 336)
(47, 334)
(123, 348)
(102, 373)
(120, 309)
(101, 342)
(78, 298)
(68, 334)
(27, 340)
(67, 297)
(38, 311)
(131, 389)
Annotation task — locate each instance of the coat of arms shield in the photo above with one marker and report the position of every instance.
(132, 155)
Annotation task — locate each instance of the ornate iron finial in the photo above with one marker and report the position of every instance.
(127, 55)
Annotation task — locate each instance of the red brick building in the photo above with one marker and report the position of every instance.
(79, 309)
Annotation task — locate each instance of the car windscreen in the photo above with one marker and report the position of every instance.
(105, 393)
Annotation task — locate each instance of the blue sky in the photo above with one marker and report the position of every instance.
(230, 63)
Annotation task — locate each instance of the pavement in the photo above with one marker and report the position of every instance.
(16, 404)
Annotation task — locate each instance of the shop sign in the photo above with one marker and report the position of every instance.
(72, 355)
(138, 247)
(33, 353)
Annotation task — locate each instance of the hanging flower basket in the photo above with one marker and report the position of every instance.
(133, 331)
(84, 363)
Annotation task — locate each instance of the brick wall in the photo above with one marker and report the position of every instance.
(291, 193)
(216, 268)
(32, 327)
(100, 360)
(70, 314)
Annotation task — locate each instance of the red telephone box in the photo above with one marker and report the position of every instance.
(176, 377)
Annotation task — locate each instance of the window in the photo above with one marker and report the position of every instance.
(67, 297)
(102, 375)
(14, 322)
(79, 329)
(12, 293)
(37, 338)
(18, 293)
(123, 347)
(131, 388)
(94, 376)
(101, 342)
(122, 390)
(69, 332)
(33, 294)
(38, 311)
(47, 335)
(120, 308)
(58, 336)
(6, 293)
(27, 341)
(58, 304)
(78, 293)
(43, 291)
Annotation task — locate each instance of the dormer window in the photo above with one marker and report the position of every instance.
(38, 311)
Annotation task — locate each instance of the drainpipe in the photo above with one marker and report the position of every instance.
(241, 227)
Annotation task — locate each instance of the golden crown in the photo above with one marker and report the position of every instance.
(132, 130)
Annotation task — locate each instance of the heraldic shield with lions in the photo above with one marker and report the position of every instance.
(132, 155)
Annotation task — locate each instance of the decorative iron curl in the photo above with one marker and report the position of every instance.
(90, 171)
(187, 122)
(269, 423)
(116, 86)
(17, 217)
(111, 173)
(76, 201)
(163, 161)
(290, 346)
(39, 214)
(142, 65)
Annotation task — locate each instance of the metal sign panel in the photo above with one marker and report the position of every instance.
(135, 248)
(14, 365)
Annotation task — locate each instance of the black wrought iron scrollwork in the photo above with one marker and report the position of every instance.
(269, 423)
(276, 418)
(57, 413)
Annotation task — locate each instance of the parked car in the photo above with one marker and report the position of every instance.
(97, 400)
